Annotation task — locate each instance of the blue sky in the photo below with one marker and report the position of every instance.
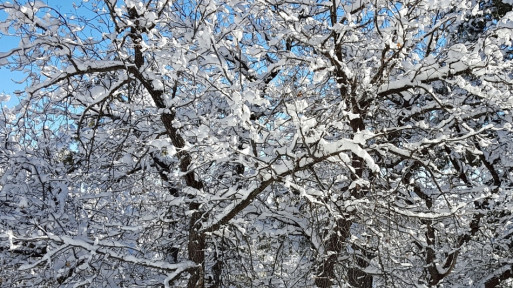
(7, 85)
(7, 77)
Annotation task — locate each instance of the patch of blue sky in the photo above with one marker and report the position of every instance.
(14, 81)
(10, 80)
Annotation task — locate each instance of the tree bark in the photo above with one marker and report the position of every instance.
(196, 243)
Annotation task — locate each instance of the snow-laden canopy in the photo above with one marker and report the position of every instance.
(258, 143)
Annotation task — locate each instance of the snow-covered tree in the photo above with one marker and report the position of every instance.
(258, 143)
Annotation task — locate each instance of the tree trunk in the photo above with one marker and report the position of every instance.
(196, 248)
